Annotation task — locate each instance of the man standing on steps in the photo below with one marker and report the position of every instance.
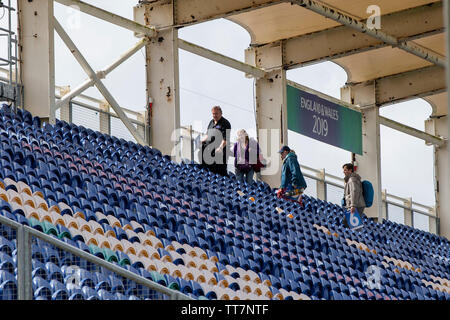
(353, 196)
(215, 144)
(292, 181)
(353, 191)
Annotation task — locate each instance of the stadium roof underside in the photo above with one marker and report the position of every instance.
(405, 57)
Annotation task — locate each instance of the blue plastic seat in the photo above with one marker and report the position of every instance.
(89, 293)
(41, 288)
(103, 282)
(6, 246)
(117, 285)
(8, 290)
(185, 286)
(7, 263)
(106, 295)
(59, 290)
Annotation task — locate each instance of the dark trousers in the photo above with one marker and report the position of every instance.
(219, 168)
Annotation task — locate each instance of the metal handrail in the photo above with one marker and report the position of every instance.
(26, 230)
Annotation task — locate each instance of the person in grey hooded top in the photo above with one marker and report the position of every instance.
(353, 191)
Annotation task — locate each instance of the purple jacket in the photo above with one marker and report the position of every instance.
(246, 157)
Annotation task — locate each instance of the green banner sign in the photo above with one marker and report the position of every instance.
(323, 120)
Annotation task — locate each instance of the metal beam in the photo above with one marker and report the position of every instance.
(98, 83)
(438, 141)
(110, 17)
(410, 85)
(346, 20)
(188, 12)
(100, 74)
(406, 86)
(407, 25)
(222, 59)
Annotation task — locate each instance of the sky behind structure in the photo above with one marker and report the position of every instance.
(407, 164)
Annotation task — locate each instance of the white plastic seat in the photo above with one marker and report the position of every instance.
(56, 218)
(22, 188)
(115, 244)
(103, 242)
(174, 270)
(96, 228)
(70, 222)
(44, 215)
(13, 196)
(136, 225)
(83, 224)
(186, 272)
(200, 253)
(161, 267)
(28, 200)
(201, 265)
(189, 250)
(209, 277)
(156, 243)
(144, 239)
(128, 247)
(113, 221)
(29, 211)
(189, 261)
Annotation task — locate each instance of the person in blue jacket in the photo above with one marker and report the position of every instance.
(293, 183)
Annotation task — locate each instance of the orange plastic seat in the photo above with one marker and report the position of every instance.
(170, 247)
(79, 214)
(70, 221)
(244, 285)
(198, 275)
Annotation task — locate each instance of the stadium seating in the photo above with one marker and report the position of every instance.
(188, 229)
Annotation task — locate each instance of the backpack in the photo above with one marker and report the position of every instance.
(368, 193)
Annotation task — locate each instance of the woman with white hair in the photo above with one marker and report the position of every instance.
(246, 154)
